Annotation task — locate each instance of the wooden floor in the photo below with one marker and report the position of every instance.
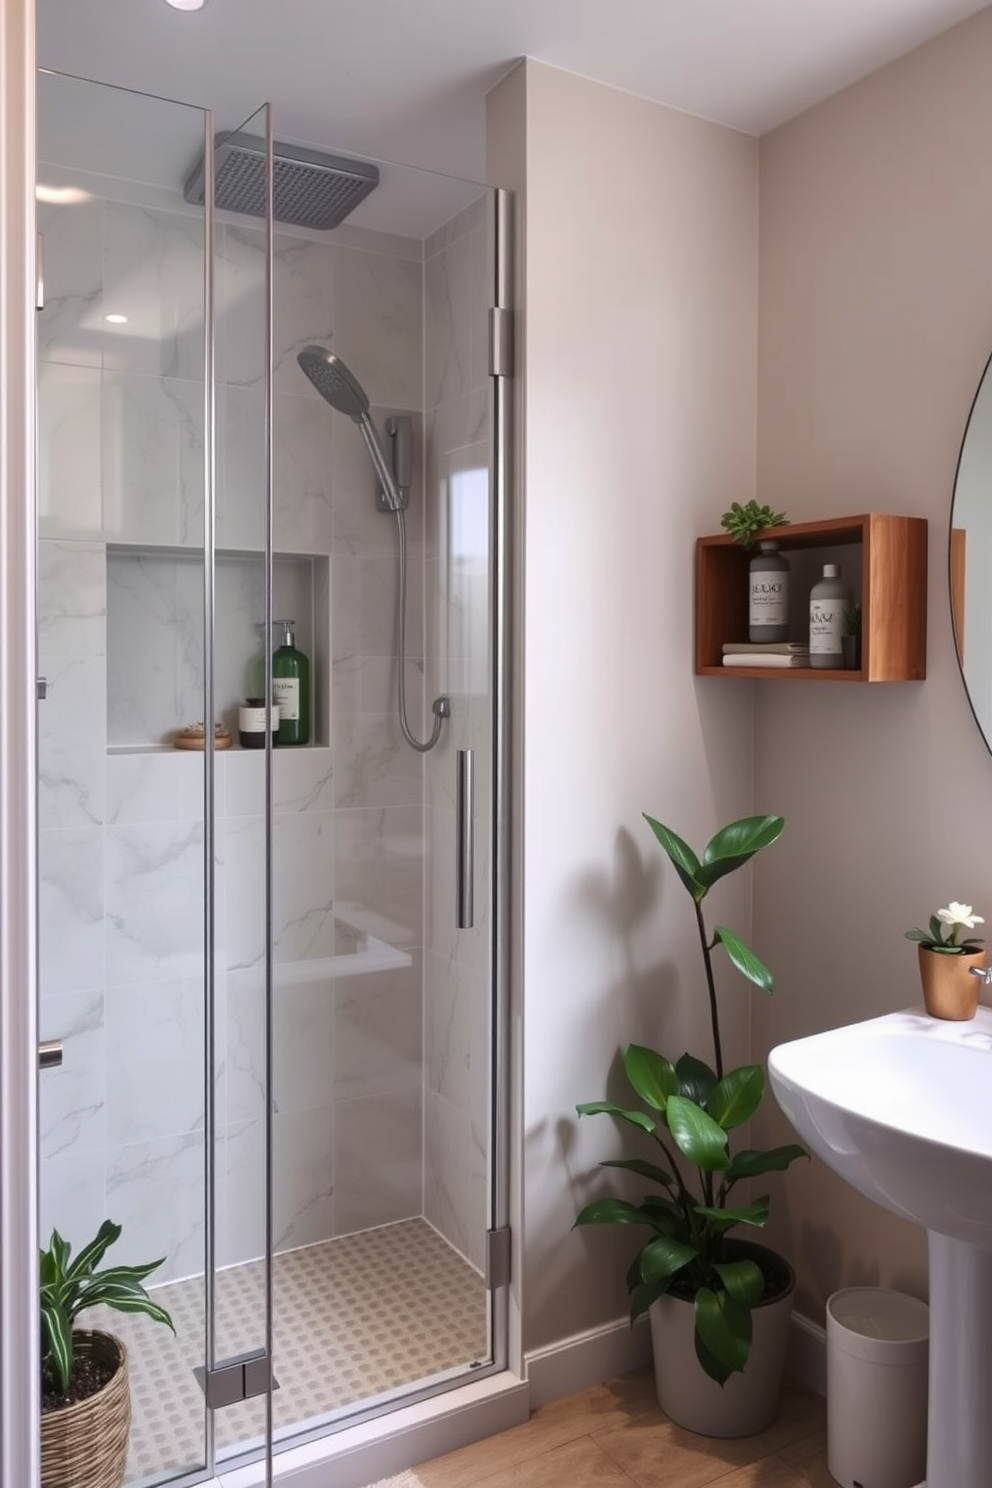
(614, 1436)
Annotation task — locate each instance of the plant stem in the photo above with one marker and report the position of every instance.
(714, 1014)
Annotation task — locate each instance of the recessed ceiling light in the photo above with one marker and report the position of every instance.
(60, 196)
(185, 4)
(116, 319)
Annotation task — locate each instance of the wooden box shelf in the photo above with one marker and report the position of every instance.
(885, 563)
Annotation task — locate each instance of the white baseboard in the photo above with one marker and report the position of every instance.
(587, 1359)
(616, 1348)
(388, 1444)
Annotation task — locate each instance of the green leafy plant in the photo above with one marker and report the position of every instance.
(743, 522)
(851, 620)
(69, 1286)
(689, 1110)
(942, 935)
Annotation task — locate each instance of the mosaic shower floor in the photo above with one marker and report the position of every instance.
(354, 1318)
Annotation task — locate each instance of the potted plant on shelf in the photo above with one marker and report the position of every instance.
(950, 990)
(850, 640)
(85, 1398)
(745, 522)
(719, 1306)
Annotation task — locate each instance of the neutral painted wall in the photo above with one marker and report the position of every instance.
(637, 410)
(875, 326)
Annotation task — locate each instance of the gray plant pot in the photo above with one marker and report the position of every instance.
(747, 1403)
(851, 648)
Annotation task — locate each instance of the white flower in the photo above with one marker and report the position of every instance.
(959, 914)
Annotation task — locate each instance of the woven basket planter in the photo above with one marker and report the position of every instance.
(85, 1445)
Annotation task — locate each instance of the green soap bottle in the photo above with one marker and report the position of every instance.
(291, 687)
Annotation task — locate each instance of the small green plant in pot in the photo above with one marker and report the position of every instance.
(745, 522)
(85, 1400)
(689, 1110)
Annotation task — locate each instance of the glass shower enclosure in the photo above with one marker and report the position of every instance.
(269, 975)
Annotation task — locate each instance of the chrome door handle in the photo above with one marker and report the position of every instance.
(50, 1054)
(464, 835)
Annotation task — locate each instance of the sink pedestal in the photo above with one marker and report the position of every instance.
(959, 1414)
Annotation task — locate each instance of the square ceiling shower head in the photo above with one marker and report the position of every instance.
(309, 187)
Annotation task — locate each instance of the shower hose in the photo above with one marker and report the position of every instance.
(441, 705)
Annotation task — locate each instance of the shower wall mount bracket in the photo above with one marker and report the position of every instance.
(399, 432)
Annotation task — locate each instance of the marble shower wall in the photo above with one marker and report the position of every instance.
(457, 963)
(122, 829)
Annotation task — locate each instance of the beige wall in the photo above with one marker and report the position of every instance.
(638, 418)
(875, 326)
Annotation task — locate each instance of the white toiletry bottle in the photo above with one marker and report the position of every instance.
(768, 604)
(827, 601)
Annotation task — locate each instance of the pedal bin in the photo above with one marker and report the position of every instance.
(877, 1351)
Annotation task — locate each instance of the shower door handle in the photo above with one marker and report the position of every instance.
(464, 837)
(50, 1054)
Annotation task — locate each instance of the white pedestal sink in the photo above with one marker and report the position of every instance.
(901, 1107)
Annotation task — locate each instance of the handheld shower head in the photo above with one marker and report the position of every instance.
(334, 381)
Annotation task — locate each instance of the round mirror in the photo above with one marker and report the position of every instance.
(970, 556)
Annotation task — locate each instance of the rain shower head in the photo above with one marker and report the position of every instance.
(334, 381)
(309, 188)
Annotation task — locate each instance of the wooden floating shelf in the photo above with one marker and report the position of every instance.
(887, 573)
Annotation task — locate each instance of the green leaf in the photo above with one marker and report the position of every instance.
(750, 1163)
(56, 1344)
(643, 1294)
(742, 1280)
(636, 1118)
(696, 1079)
(724, 1218)
(737, 1096)
(650, 1074)
(724, 1327)
(697, 1135)
(91, 1255)
(611, 1211)
(644, 1169)
(683, 858)
(668, 1217)
(747, 963)
(661, 1258)
(735, 844)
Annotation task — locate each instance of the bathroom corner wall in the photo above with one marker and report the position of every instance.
(122, 830)
(875, 325)
(458, 963)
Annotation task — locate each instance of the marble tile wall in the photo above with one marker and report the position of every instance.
(122, 832)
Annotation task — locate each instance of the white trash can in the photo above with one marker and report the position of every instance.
(877, 1352)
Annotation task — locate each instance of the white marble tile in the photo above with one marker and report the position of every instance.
(165, 787)
(74, 712)
(70, 910)
(364, 591)
(155, 1060)
(303, 925)
(153, 274)
(72, 1196)
(154, 646)
(155, 1191)
(71, 787)
(241, 476)
(70, 327)
(72, 598)
(448, 283)
(378, 324)
(378, 1166)
(378, 1032)
(241, 1231)
(70, 501)
(304, 294)
(375, 765)
(303, 1044)
(155, 891)
(447, 1169)
(153, 469)
(302, 780)
(245, 1075)
(71, 1097)
(364, 684)
(303, 1158)
(301, 458)
(448, 1032)
(244, 903)
(379, 865)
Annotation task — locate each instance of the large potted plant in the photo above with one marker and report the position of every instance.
(719, 1305)
(85, 1398)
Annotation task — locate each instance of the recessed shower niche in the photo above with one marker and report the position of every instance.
(155, 609)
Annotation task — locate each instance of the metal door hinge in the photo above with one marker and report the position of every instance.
(50, 1054)
(237, 1378)
(500, 341)
(41, 685)
(40, 273)
(498, 1258)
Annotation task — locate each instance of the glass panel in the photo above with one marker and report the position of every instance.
(121, 634)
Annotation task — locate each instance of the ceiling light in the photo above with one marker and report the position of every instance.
(185, 4)
(116, 319)
(60, 196)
